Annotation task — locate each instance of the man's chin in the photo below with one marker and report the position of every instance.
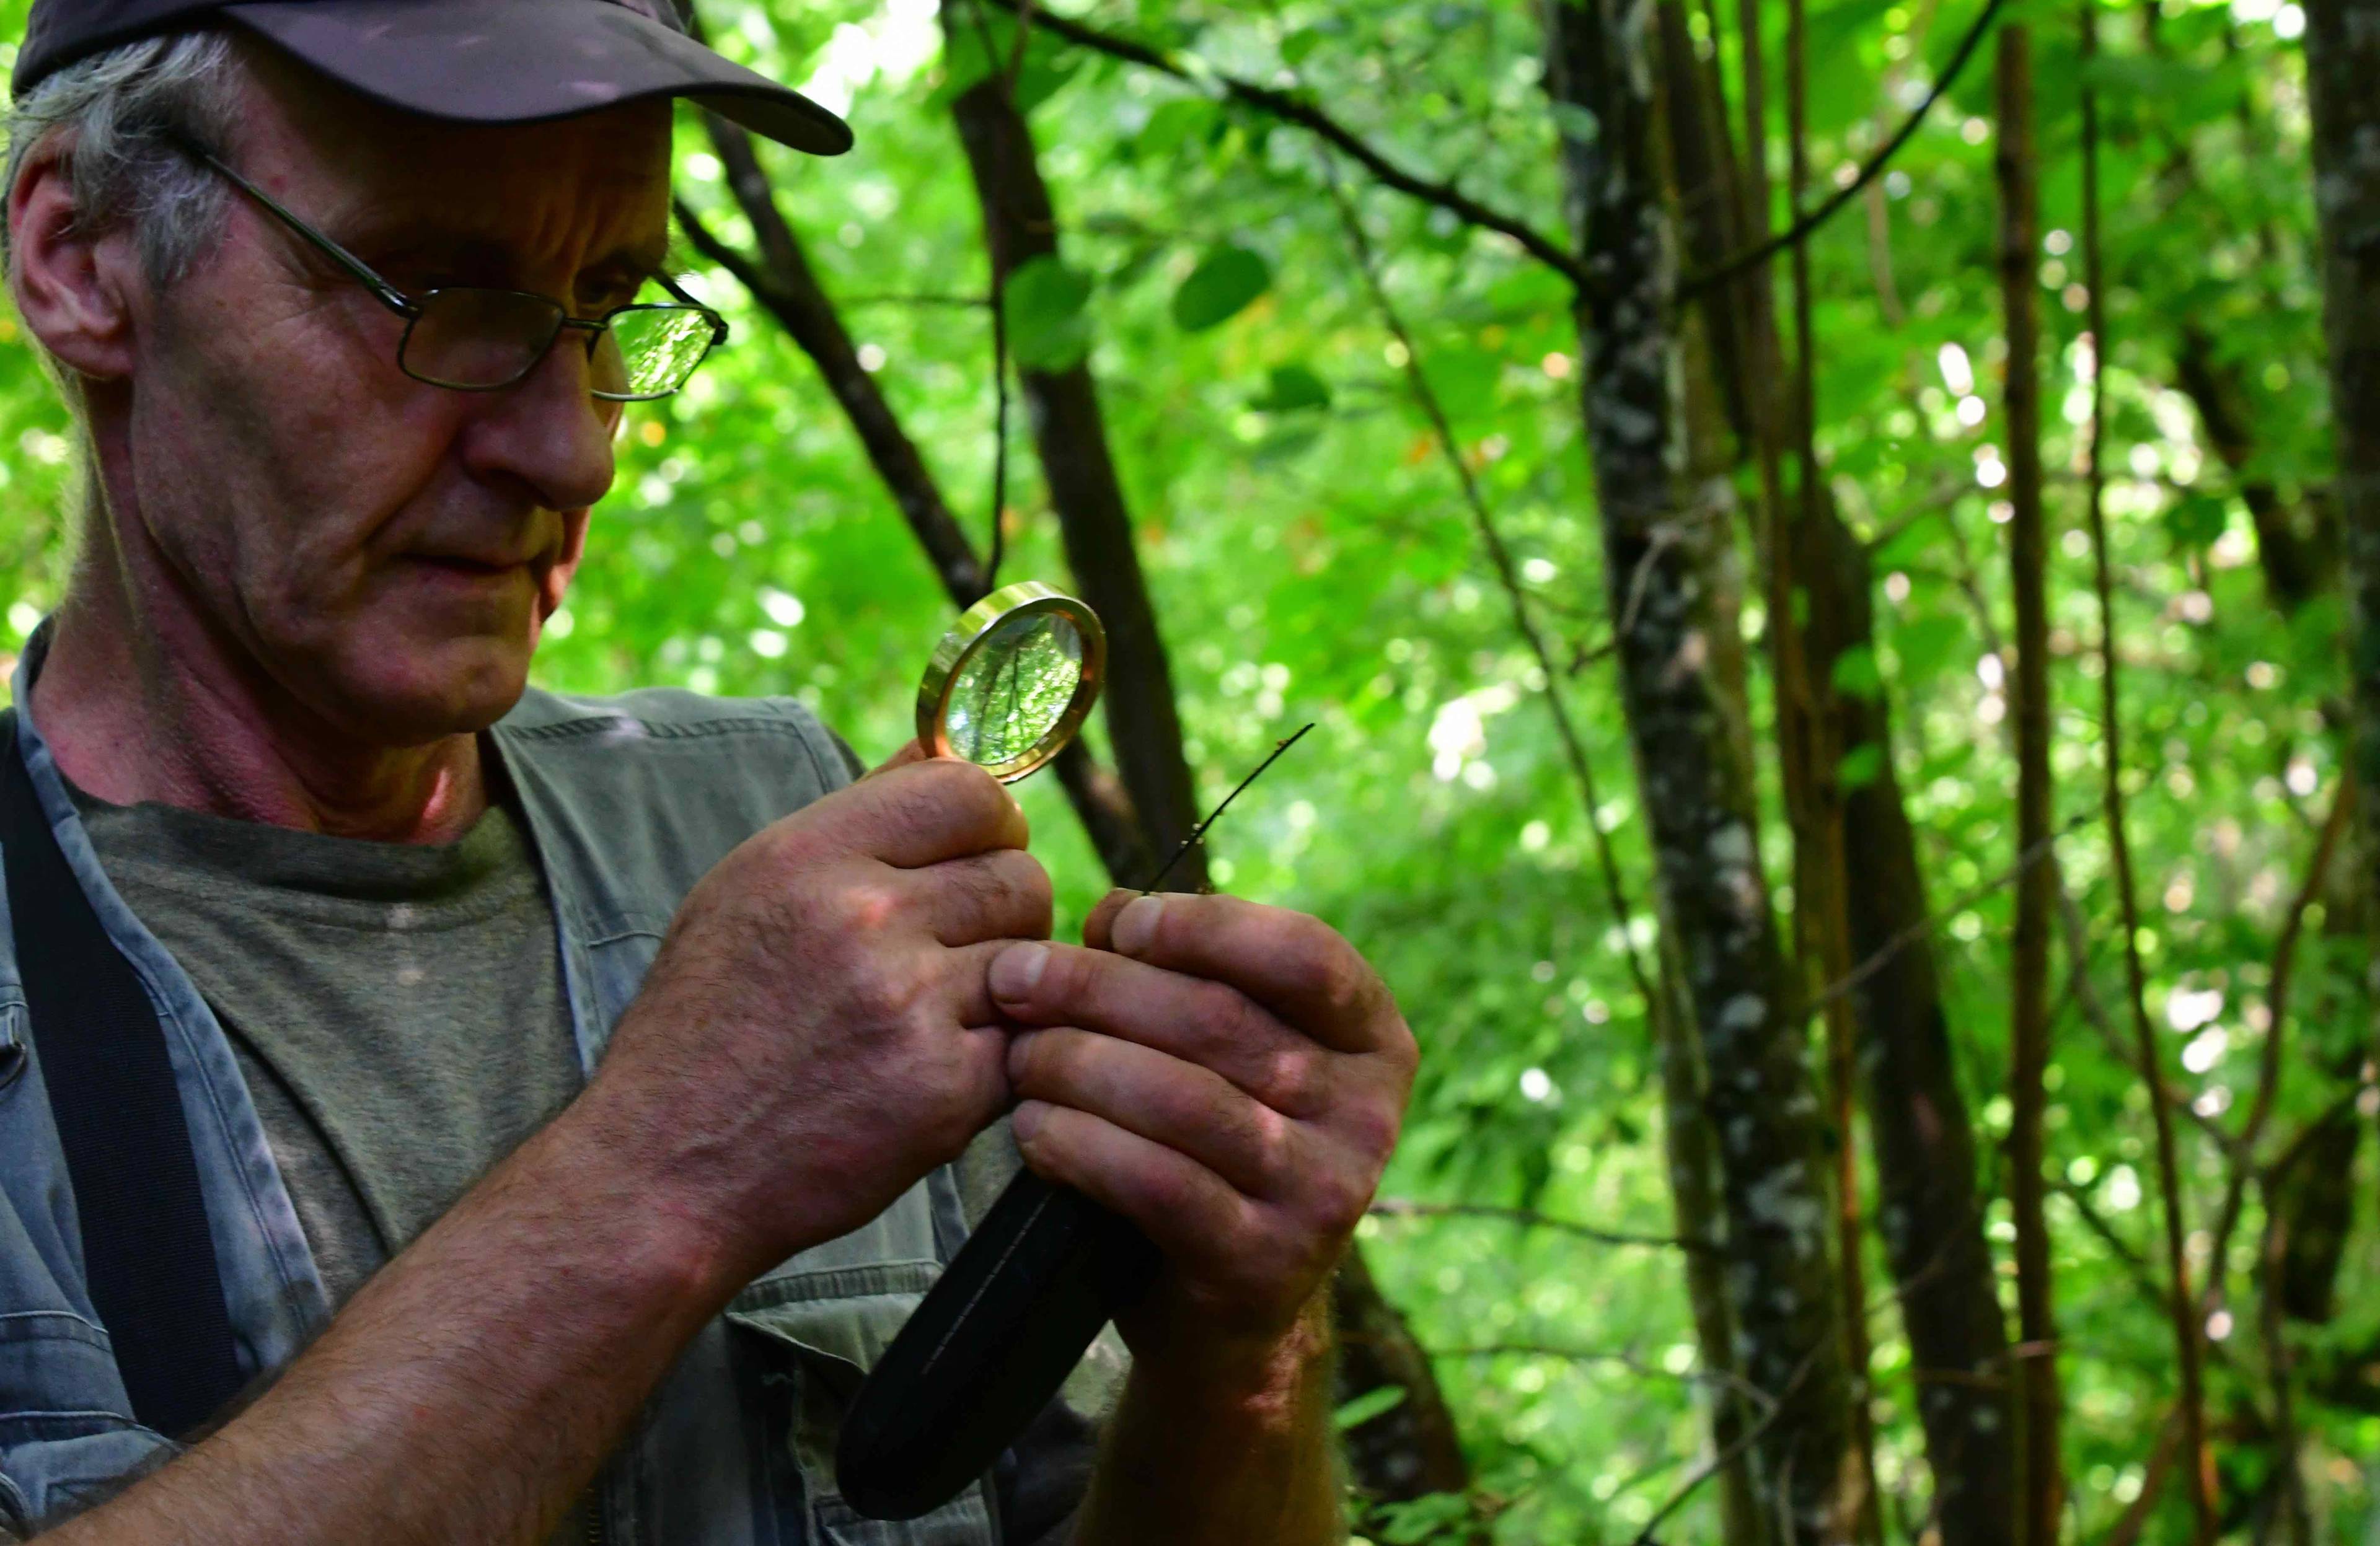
(414, 694)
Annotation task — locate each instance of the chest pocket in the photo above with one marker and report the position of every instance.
(816, 1325)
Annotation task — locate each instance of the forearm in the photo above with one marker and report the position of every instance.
(1222, 1451)
(469, 1391)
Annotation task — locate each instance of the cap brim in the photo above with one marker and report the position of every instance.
(529, 61)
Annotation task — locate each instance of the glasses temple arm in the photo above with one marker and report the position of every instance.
(388, 294)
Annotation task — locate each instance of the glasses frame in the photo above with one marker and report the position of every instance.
(412, 308)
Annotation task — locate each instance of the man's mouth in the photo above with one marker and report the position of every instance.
(463, 566)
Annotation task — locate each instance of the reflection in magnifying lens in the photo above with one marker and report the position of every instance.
(1014, 688)
(1008, 686)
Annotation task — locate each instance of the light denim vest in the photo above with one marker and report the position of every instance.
(629, 801)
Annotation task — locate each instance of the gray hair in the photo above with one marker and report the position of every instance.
(120, 107)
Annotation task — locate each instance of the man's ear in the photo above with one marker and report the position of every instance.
(71, 282)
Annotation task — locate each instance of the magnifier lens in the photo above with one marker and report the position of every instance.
(1008, 687)
(1014, 688)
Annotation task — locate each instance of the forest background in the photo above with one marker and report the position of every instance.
(1816, 1090)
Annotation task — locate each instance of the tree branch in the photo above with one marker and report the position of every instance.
(1293, 109)
(1694, 285)
(1507, 576)
(1403, 1207)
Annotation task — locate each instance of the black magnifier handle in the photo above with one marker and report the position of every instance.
(989, 1347)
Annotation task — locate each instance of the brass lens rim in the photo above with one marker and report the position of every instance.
(1025, 598)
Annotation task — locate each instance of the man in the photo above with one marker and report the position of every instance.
(572, 1086)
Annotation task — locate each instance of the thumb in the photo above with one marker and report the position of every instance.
(911, 751)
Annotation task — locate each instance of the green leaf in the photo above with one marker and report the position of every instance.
(1927, 644)
(1367, 1407)
(965, 64)
(1226, 283)
(1299, 46)
(1577, 123)
(1291, 387)
(1861, 765)
(1855, 674)
(1177, 124)
(2197, 520)
(1048, 322)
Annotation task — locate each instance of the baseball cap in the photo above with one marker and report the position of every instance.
(465, 61)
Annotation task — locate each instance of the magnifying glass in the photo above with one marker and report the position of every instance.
(994, 1338)
(1012, 682)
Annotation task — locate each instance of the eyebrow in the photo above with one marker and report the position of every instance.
(477, 253)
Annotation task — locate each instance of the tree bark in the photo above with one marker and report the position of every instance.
(2342, 46)
(2040, 1488)
(783, 284)
(1693, 1153)
(1143, 726)
(1665, 545)
(1919, 1131)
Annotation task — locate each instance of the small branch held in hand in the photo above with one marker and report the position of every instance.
(1199, 832)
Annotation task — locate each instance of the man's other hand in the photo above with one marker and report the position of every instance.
(816, 1032)
(1229, 1076)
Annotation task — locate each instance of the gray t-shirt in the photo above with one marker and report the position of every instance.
(397, 1009)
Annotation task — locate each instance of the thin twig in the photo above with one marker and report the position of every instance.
(2190, 1403)
(1799, 231)
(1729, 1455)
(1507, 574)
(1910, 934)
(1403, 1207)
(1291, 108)
(1733, 1384)
(998, 548)
(1214, 815)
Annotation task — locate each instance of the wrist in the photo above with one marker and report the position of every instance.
(665, 1231)
(1205, 1367)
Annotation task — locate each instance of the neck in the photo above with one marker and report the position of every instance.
(144, 703)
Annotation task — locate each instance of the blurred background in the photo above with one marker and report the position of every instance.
(1322, 418)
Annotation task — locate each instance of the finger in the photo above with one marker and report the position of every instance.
(1204, 1226)
(958, 984)
(1000, 895)
(924, 812)
(911, 751)
(1189, 1109)
(1195, 1018)
(1297, 966)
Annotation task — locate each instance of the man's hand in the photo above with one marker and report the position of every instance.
(816, 1032)
(1229, 1076)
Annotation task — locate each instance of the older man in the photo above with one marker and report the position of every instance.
(573, 1094)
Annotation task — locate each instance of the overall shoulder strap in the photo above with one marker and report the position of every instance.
(147, 1254)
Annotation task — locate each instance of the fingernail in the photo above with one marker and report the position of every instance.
(1135, 925)
(1016, 970)
(1026, 1118)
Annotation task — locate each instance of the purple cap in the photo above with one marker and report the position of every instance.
(464, 61)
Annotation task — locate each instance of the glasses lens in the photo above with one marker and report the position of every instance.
(651, 350)
(470, 338)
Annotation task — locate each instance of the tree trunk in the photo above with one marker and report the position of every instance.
(2342, 45)
(784, 285)
(1693, 1153)
(1144, 726)
(1665, 531)
(1919, 1129)
(2038, 1476)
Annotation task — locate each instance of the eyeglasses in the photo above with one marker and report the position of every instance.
(472, 338)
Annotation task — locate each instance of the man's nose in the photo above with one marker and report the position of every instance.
(547, 431)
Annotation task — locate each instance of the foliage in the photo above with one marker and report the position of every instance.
(1311, 558)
